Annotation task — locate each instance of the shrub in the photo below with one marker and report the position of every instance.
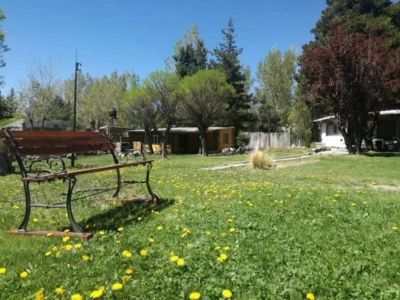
(242, 140)
(259, 161)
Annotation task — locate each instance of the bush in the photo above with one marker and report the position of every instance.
(242, 140)
(259, 161)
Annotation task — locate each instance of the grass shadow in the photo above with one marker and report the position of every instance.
(126, 213)
(381, 154)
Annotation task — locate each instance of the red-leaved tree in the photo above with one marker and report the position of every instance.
(353, 76)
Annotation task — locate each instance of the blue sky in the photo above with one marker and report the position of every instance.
(139, 36)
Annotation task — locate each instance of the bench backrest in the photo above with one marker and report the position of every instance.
(45, 143)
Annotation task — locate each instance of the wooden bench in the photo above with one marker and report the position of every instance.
(29, 147)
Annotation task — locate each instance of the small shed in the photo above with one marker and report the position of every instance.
(186, 140)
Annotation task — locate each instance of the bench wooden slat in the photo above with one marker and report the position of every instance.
(50, 150)
(56, 134)
(57, 141)
(109, 167)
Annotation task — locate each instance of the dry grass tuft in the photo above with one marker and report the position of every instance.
(260, 161)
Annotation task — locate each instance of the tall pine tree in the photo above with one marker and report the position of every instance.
(190, 54)
(227, 59)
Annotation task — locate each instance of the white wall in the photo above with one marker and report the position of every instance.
(336, 140)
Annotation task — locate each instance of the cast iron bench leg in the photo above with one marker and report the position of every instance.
(75, 226)
(118, 184)
(154, 197)
(25, 221)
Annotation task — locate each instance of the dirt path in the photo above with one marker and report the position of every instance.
(285, 162)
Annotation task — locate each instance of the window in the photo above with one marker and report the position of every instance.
(225, 138)
(331, 129)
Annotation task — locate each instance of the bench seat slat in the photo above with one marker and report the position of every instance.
(109, 167)
(51, 150)
(57, 142)
(55, 134)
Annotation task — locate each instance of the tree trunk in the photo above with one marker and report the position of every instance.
(166, 141)
(204, 140)
(148, 138)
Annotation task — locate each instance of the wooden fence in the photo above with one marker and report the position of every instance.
(277, 140)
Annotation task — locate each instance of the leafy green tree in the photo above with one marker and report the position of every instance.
(190, 54)
(227, 60)
(100, 95)
(8, 104)
(377, 17)
(162, 86)
(205, 97)
(84, 81)
(299, 119)
(276, 86)
(142, 112)
(3, 46)
(41, 98)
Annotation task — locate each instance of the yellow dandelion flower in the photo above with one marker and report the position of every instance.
(129, 271)
(68, 247)
(185, 232)
(223, 256)
(125, 278)
(174, 258)
(194, 295)
(3, 271)
(77, 296)
(159, 227)
(180, 262)
(227, 294)
(54, 249)
(85, 257)
(143, 252)
(59, 291)
(35, 220)
(126, 253)
(78, 246)
(116, 286)
(101, 232)
(39, 295)
(226, 248)
(48, 253)
(232, 229)
(310, 296)
(395, 228)
(66, 239)
(120, 229)
(96, 294)
(151, 240)
(23, 274)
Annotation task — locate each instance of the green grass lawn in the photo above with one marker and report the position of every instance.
(322, 228)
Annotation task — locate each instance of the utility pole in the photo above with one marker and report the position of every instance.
(77, 65)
